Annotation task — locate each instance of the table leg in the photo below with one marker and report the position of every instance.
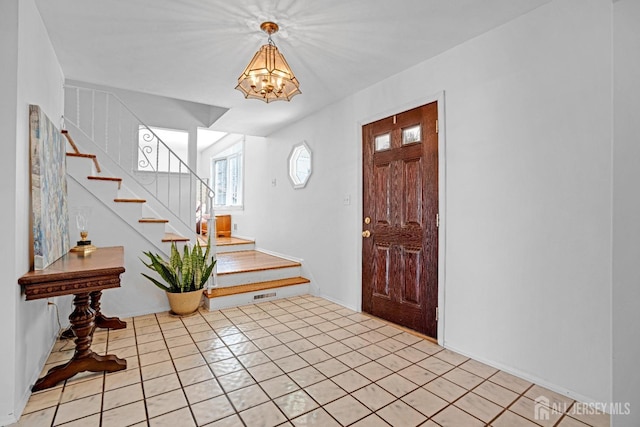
(82, 323)
(103, 321)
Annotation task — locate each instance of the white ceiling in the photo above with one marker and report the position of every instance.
(195, 50)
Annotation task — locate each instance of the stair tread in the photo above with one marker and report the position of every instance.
(224, 241)
(86, 156)
(105, 178)
(247, 261)
(129, 200)
(153, 220)
(172, 237)
(253, 287)
(231, 241)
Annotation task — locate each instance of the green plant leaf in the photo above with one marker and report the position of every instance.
(187, 270)
(157, 283)
(163, 269)
(207, 272)
(174, 260)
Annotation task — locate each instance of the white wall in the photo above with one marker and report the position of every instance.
(137, 295)
(8, 293)
(528, 190)
(626, 209)
(30, 74)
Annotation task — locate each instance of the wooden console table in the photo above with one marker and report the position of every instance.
(84, 276)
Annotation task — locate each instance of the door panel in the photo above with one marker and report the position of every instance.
(412, 270)
(412, 201)
(400, 195)
(382, 262)
(383, 188)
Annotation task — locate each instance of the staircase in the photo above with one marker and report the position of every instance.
(245, 275)
(111, 181)
(85, 170)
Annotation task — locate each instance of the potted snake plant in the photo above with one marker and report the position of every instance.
(184, 276)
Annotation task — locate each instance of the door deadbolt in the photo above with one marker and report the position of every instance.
(367, 220)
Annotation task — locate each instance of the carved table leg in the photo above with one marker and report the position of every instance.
(103, 321)
(82, 323)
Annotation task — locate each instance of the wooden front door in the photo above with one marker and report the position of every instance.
(400, 223)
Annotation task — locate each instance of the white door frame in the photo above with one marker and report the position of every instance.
(439, 97)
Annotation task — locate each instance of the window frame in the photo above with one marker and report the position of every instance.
(229, 155)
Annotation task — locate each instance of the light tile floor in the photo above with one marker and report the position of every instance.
(302, 361)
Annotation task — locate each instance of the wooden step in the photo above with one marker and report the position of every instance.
(253, 287)
(172, 237)
(233, 244)
(152, 220)
(71, 141)
(106, 178)
(231, 241)
(129, 200)
(203, 239)
(87, 156)
(247, 261)
(83, 155)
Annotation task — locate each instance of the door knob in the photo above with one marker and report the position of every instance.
(366, 233)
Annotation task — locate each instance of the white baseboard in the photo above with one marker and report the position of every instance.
(279, 255)
(531, 378)
(342, 303)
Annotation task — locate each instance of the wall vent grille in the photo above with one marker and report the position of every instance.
(261, 296)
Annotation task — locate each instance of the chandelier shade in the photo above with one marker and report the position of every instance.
(268, 77)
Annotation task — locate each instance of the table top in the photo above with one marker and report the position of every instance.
(73, 265)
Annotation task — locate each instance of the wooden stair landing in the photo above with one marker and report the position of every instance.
(223, 241)
(171, 237)
(254, 287)
(230, 241)
(246, 261)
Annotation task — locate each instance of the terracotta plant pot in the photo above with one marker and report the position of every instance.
(186, 302)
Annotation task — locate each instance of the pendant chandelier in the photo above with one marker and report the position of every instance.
(268, 76)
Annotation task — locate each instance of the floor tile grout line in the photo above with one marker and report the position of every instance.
(272, 400)
(321, 406)
(180, 380)
(258, 313)
(272, 359)
(144, 394)
(565, 414)
(506, 408)
(355, 369)
(352, 369)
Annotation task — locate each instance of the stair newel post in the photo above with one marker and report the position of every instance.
(213, 233)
